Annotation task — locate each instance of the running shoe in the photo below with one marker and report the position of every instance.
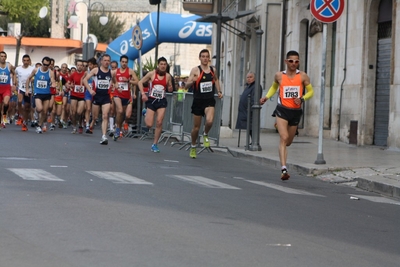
(126, 127)
(5, 120)
(104, 140)
(117, 134)
(33, 124)
(24, 127)
(44, 129)
(285, 175)
(3, 125)
(206, 141)
(193, 153)
(73, 131)
(154, 148)
(80, 130)
(52, 127)
(38, 129)
(19, 122)
(89, 130)
(111, 133)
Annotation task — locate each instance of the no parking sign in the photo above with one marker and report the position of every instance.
(327, 11)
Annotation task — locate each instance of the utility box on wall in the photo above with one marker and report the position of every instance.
(353, 132)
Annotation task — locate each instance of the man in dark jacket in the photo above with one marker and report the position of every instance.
(241, 122)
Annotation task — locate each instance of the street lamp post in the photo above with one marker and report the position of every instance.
(103, 21)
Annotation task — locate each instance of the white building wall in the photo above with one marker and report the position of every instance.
(37, 53)
(394, 116)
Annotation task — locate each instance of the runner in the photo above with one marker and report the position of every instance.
(24, 94)
(113, 66)
(77, 91)
(7, 75)
(291, 84)
(101, 97)
(44, 78)
(123, 95)
(156, 102)
(53, 92)
(64, 81)
(88, 97)
(206, 84)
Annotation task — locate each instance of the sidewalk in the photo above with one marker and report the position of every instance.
(371, 168)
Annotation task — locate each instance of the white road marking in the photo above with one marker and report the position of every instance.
(285, 189)
(377, 199)
(279, 245)
(119, 177)
(169, 160)
(202, 181)
(58, 166)
(35, 174)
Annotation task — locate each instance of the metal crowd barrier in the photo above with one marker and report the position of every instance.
(173, 120)
(178, 122)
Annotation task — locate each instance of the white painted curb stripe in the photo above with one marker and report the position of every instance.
(378, 199)
(119, 177)
(199, 180)
(35, 174)
(285, 189)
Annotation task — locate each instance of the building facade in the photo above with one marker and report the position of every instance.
(362, 96)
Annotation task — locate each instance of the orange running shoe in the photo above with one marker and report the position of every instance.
(126, 126)
(19, 121)
(24, 128)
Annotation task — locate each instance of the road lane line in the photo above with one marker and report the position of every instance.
(35, 174)
(285, 189)
(202, 181)
(119, 177)
(377, 199)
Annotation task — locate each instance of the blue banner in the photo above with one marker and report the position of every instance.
(173, 28)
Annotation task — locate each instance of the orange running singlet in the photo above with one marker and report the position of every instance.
(289, 89)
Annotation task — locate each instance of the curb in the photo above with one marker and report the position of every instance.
(378, 187)
(362, 183)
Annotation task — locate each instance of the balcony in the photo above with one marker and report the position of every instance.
(198, 7)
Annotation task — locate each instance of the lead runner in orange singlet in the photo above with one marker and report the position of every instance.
(291, 84)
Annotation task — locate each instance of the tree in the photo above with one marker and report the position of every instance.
(108, 32)
(19, 10)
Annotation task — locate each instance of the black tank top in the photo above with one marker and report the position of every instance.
(205, 87)
(103, 82)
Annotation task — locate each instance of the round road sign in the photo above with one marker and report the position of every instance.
(137, 39)
(327, 11)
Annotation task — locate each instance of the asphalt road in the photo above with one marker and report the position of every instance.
(66, 200)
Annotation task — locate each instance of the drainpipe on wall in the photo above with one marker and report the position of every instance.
(266, 43)
(283, 34)
(344, 71)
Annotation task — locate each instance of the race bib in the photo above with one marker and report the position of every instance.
(291, 91)
(3, 78)
(124, 86)
(206, 87)
(103, 84)
(79, 89)
(41, 84)
(158, 91)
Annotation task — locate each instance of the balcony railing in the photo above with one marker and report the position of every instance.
(199, 7)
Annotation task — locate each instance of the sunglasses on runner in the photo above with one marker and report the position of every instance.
(291, 61)
(46, 65)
